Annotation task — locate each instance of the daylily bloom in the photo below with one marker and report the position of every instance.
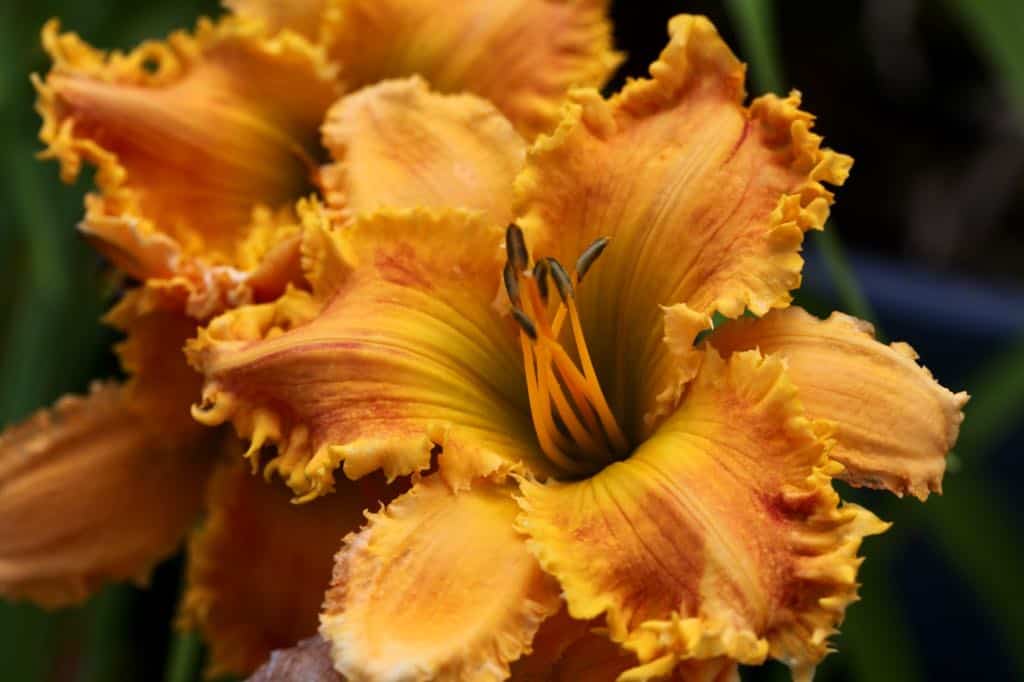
(603, 485)
(202, 145)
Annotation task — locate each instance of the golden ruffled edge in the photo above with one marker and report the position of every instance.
(327, 261)
(826, 549)
(113, 221)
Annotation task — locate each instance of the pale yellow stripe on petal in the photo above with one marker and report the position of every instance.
(523, 55)
(399, 145)
(437, 586)
(720, 536)
(894, 424)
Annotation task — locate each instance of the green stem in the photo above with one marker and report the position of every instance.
(184, 658)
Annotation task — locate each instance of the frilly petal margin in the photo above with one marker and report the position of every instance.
(189, 137)
(720, 536)
(705, 201)
(91, 492)
(258, 569)
(399, 145)
(398, 352)
(894, 424)
(523, 55)
(437, 586)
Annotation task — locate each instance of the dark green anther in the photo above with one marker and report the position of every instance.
(511, 282)
(515, 247)
(525, 322)
(562, 280)
(540, 273)
(590, 255)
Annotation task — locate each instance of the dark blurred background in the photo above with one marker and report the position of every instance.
(926, 241)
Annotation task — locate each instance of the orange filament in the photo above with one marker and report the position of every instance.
(575, 426)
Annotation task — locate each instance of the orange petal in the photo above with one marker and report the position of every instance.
(719, 536)
(397, 351)
(398, 145)
(92, 491)
(258, 569)
(188, 136)
(894, 424)
(705, 201)
(437, 586)
(304, 17)
(523, 55)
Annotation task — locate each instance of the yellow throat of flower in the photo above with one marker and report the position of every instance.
(575, 426)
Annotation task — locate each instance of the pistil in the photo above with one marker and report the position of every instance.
(575, 426)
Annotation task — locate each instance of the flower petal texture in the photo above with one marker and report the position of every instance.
(437, 586)
(398, 350)
(304, 17)
(719, 536)
(91, 491)
(258, 569)
(188, 137)
(894, 424)
(523, 55)
(399, 145)
(705, 201)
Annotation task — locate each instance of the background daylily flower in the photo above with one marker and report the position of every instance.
(202, 144)
(679, 494)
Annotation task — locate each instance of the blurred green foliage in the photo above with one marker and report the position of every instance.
(54, 289)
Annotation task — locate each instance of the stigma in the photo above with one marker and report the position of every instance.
(575, 427)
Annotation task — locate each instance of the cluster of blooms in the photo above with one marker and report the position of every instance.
(404, 260)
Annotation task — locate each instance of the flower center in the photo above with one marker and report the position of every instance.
(574, 424)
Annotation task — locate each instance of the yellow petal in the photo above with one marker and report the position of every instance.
(398, 145)
(397, 351)
(437, 586)
(894, 424)
(188, 136)
(307, 661)
(92, 491)
(523, 55)
(258, 570)
(705, 201)
(304, 17)
(719, 536)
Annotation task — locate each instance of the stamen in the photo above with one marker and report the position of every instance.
(511, 282)
(589, 255)
(525, 323)
(540, 275)
(575, 426)
(515, 246)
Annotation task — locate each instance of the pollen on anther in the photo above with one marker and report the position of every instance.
(589, 255)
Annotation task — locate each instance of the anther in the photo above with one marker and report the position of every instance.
(525, 322)
(540, 275)
(589, 255)
(511, 282)
(562, 280)
(515, 247)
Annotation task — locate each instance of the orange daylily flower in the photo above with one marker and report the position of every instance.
(203, 143)
(575, 453)
(598, 485)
